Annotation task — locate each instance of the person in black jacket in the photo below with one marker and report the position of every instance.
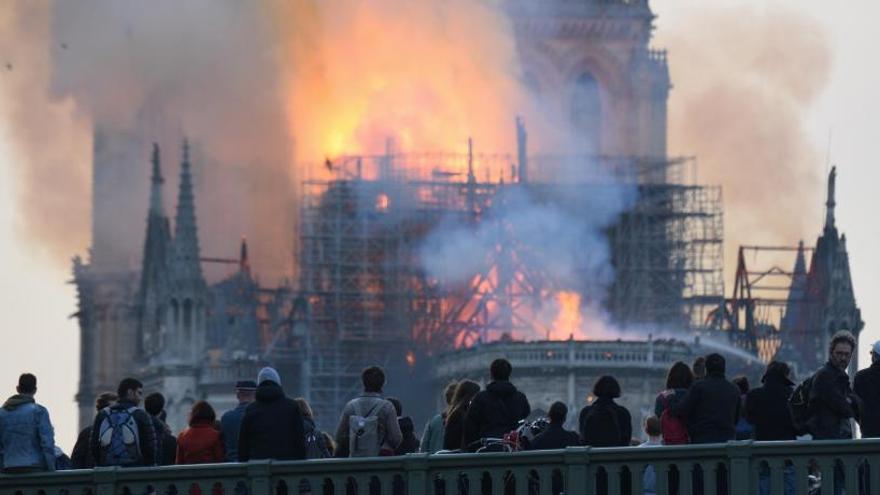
(130, 392)
(410, 442)
(711, 406)
(767, 406)
(867, 387)
(832, 403)
(604, 423)
(555, 436)
(453, 428)
(166, 450)
(272, 426)
(81, 457)
(495, 411)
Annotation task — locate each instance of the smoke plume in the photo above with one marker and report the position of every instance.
(744, 81)
(142, 72)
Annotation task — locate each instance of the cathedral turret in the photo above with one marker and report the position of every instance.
(187, 267)
(152, 294)
(829, 203)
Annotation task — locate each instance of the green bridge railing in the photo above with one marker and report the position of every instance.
(577, 470)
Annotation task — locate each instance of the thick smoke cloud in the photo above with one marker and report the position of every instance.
(154, 71)
(744, 81)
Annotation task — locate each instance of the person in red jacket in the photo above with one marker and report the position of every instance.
(201, 443)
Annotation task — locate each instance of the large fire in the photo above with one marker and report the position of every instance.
(428, 75)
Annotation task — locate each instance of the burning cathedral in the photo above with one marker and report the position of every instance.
(601, 259)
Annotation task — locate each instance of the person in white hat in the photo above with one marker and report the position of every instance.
(867, 388)
(272, 426)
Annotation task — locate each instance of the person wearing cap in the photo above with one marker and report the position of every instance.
(230, 422)
(867, 387)
(272, 426)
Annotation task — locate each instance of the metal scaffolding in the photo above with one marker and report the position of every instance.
(371, 301)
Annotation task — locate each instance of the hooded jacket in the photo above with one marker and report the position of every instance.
(867, 387)
(27, 439)
(495, 412)
(710, 409)
(272, 427)
(767, 408)
(831, 404)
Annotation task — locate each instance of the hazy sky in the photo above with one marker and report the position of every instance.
(37, 301)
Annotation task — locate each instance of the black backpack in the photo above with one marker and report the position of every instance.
(800, 405)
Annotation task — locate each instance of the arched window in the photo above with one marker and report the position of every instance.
(586, 114)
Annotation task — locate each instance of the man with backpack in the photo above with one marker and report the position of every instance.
(123, 434)
(272, 426)
(368, 425)
(496, 410)
(27, 439)
(832, 404)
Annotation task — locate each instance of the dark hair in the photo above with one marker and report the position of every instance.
(464, 392)
(557, 413)
(128, 384)
(304, 408)
(652, 426)
(500, 369)
(27, 383)
(202, 411)
(842, 337)
(679, 376)
(715, 363)
(699, 367)
(777, 368)
(105, 399)
(449, 392)
(154, 403)
(742, 383)
(398, 407)
(373, 378)
(606, 387)
(329, 442)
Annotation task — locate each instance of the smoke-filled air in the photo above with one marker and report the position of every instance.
(262, 90)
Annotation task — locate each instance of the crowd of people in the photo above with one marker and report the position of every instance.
(698, 405)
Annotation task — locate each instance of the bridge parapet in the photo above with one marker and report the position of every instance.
(576, 468)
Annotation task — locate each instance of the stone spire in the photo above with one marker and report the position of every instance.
(243, 263)
(156, 181)
(830, 204)
(186, 240)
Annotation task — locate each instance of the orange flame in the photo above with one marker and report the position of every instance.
(568, 321)
(426, 74)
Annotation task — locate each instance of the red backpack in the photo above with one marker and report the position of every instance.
(673, 428)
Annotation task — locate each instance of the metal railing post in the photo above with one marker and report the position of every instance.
(415, 467)
(260, 475)
(577, 459)
(105, 480)
(739, 477)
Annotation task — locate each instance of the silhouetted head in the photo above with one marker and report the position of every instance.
(699, 368)
(557, 413)
(679, 376)
(742, 383)
(398, 407)
(373, 378)
(202, 412)
(27, 384)
(500, 370)
(154, 403)
(131, 390)
(715, 364)
(450, 392)
(606, 387)
(652, 426)
(304, 408)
